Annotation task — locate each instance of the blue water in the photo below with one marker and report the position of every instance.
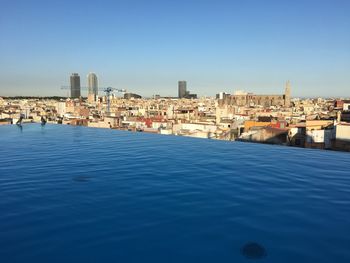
(76, 194)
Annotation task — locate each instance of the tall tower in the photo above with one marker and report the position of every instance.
(182, 89)
(287, 95)
(92, 87)
(75, 86)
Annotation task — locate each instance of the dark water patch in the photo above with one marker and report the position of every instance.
(82, 178)
(253, 250)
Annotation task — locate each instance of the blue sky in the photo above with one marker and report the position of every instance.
(147, 46)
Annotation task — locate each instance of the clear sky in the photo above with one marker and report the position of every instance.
(146, 46)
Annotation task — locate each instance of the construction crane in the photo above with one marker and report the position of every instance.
(108, 93)
(107, 90)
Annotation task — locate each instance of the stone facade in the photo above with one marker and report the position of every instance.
(251, 99)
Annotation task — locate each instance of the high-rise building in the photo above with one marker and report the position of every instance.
(75, 86)
(182, 89)
(92, 87)
(222, 95)
(287, 95)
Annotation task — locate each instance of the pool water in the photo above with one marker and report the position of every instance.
(77, 194)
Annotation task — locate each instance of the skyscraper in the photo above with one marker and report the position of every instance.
(287, 95)
(92, 87)
(182, 89)
(75, 86)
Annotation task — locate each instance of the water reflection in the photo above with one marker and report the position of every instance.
(20, 127)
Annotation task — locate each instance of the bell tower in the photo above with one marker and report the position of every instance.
(287, 95)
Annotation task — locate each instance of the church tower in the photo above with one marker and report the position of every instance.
(287, 95)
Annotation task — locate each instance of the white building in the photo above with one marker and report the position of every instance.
(346, 106)
(61, 108)
(342, 132)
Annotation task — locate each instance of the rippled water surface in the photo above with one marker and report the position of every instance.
(75, 194)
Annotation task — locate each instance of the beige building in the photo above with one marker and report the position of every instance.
(251, 99)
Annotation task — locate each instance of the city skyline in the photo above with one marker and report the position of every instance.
(148, 47)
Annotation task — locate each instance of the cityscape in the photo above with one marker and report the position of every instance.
(175, 131)
(241, 116)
